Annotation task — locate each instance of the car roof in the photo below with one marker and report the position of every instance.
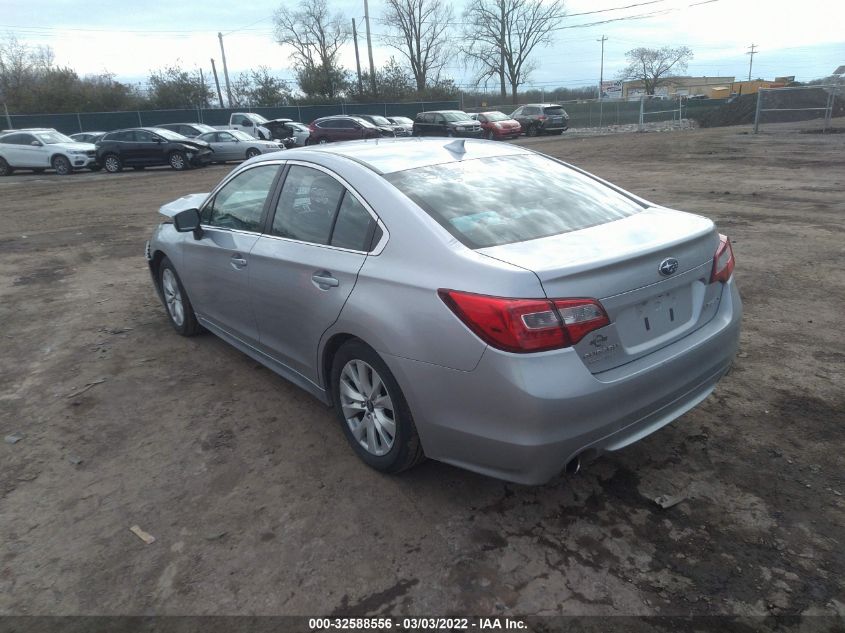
(390, 155)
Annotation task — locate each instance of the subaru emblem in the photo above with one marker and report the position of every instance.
(668, 266)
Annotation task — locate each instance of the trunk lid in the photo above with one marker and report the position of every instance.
(619, 263)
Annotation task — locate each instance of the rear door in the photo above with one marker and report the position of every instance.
(305, 267)
(20, 151)
(216, 268)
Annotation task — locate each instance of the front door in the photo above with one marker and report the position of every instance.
(217, 267)
(305, 269)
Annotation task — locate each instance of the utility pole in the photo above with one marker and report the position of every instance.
(751, 59)
(601, 71)
(217, 82)
(503, 89)
(203, 101)
(370, 48)
(357, 58)
(225, 69)
(8, 118)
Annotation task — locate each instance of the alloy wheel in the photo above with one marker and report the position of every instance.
(61, 165)
(112, 164)
(177, 161)
(367, 407)
(172, 297)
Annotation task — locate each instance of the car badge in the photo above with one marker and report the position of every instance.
(668, 266)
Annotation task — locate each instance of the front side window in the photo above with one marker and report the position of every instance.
(307, 205)
(240, 203)
(539, 197)
(225, 136)
(142, 136)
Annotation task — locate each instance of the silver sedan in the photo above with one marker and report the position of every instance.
(236, 145)
(473, 302)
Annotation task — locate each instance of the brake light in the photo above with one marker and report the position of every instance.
(723, 261)
(526, 325)
(542, 117)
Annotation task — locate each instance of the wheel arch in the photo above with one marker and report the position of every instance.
(327, 355)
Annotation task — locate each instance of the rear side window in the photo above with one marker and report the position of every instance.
(307, 205)
(539, 197)
(353, 224)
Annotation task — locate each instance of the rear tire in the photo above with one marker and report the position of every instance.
(112, 163)
(62, 165)
(322, 140)
(5, 168)
(380, 427)
(489, 135)
(180, 312)
(178, 161)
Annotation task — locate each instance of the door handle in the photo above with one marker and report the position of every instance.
(237, 261)
(324, 280)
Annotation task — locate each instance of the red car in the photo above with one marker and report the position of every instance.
(497, 125)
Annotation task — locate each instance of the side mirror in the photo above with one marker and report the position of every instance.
(157, 139)
(187, 221)
(36, 143)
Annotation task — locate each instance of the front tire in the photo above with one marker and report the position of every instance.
(5, 168)
(178, 161)
(252, 153)
(61, 165)
(112, 164)
(372, 410)
(323, 140)
(176, 302)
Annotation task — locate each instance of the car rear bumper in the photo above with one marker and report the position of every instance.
(523, 417)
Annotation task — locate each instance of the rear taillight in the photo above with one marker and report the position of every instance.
(542, 117)
(526, 325)
(723, 261)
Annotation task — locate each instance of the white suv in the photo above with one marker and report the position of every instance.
(41, 148)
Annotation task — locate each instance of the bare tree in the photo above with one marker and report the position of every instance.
(420, 32)
(316, 36)
(653, 66)
(502, 35)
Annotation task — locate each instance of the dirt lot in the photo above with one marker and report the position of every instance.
(259, 506)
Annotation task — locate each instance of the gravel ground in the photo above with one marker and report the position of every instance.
(258, 506)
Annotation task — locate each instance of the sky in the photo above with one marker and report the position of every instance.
(130, 39)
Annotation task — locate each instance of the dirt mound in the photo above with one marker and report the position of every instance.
(741, 110)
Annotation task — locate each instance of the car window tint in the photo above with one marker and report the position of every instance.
(539, 197)
(307, 205)
(352, 226)
(225, 136)
(142, 136)
(15, 139)
(240, 203)
(554, 110)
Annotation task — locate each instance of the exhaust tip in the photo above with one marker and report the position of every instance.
(574, 466)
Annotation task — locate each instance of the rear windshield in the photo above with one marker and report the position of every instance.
(505, 199)
(553, 110)
(496, 116)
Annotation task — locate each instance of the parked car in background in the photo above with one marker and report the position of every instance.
(541, 118)
(330, 129)
(497, 125)
(189, 130)
(251, 123)
(553, 314)
(290, 132)
(404, 122)
(150, 146)
(237, 145)
(40, 149)
(446, 123)
(87, 137)
(384, 124)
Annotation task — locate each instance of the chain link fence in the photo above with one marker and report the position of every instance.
(799, 103)
(71, 123)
